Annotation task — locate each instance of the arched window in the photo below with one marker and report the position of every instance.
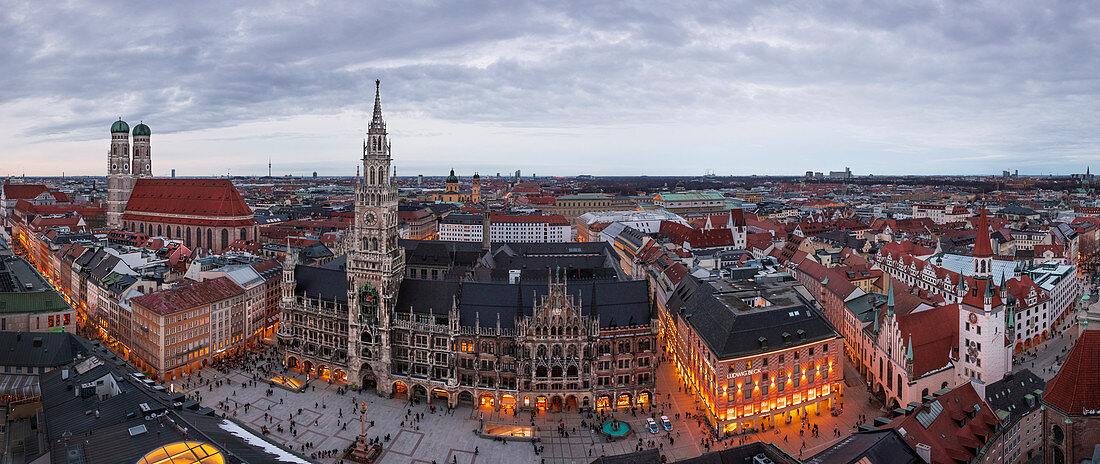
(178, 235)
(159, 231)
(1058, 434)
(371, 176)
(198, 237)
(225, 238)
(210, 238)
(243, 233)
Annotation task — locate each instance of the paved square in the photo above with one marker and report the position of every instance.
(406, 442)
(331, 420)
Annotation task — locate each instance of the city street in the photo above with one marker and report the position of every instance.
(1046, 360)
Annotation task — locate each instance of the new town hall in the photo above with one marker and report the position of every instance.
(555, 339)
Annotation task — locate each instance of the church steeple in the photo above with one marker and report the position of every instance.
(983, 250)
(377, 124)
(377, 145)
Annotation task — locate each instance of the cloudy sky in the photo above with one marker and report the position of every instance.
(556, 88)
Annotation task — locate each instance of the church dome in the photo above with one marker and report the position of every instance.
(451, 179)
(141, 130)
(476, 177)
(120, 126)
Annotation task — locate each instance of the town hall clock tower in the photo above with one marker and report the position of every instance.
(375, 261)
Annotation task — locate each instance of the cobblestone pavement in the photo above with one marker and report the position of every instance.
(326, 422)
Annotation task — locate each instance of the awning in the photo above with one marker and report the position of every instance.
(19, 385)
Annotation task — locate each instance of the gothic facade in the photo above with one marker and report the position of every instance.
(541, 344)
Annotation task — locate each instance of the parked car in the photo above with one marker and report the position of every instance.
(651, 425)
(667, 424)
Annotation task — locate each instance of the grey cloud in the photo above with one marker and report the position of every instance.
(1025, 68)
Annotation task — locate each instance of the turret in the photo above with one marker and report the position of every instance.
(983, 250)
(289, 264)
(987, 299)
(909, 355)
(890, 300)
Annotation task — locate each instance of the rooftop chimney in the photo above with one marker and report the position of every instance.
(924, 451)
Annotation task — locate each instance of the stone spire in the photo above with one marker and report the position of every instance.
(890, 299)
(377, 125)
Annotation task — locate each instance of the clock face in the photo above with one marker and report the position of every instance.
(370, 218)
(973, 318)
(556, 311)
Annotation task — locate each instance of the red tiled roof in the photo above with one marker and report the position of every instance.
(23, 191)
(949, 440)
(934, 333)
(676, 272)
(975, 296)
(1020, 287)
(266, 265)
(719, 220)
(84, 210)
(42, 223)
(899, 249)
(541, 200)
(189, 295)
(760, 241)
(1076, 386)
(982, 247)
(206, 198)
(698, 238)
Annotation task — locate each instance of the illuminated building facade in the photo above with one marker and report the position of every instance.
(545, 339)
(755, 354)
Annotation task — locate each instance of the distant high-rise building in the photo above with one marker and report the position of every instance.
(420, 180)
(173, 173)
(314, 174)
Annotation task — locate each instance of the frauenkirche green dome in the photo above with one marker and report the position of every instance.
(120, 126)
(141, 130)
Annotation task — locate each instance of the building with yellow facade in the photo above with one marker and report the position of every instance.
(453, 193)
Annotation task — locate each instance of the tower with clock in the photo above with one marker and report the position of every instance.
(375, 261)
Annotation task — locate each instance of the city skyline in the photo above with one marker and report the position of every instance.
(558, 89)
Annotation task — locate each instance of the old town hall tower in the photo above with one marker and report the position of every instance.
(375, 264)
